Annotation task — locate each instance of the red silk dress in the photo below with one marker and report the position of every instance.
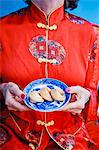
(26, 37)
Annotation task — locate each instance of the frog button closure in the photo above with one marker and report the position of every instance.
(41, 25)
(50, 123)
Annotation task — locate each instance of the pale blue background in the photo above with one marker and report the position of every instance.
(88, 9)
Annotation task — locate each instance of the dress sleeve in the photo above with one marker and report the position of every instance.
(92, 77)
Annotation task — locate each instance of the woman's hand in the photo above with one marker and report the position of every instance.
(79, 98)
(13, 97)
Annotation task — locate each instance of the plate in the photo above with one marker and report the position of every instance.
(46, 106)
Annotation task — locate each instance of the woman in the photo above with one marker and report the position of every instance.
(26, 38)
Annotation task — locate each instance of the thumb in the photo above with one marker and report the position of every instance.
(75, 105)
(14, 89)
(71, 105)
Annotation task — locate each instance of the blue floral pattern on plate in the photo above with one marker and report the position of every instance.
(46, 106)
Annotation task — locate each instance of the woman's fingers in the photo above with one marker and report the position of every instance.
(73, 97)
(76, 89)
(75, 105)
(20, 107)
(13, 104)
(10, 108)
(14, 89)
(19, 99)
(78, 100)
(75, 111)
(14, 97)
(81, 92)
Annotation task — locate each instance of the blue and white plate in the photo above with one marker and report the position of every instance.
(46, 106)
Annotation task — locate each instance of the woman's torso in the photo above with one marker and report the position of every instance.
(69, 44)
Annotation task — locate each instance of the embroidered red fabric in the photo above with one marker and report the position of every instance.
(73, 37)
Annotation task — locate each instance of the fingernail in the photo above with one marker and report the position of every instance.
(22, 96)
(68, 90)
